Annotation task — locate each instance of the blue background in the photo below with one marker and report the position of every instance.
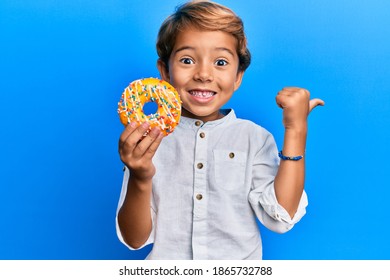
(64, 64)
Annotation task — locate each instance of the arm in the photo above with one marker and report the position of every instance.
(136, 152)
(290, 178)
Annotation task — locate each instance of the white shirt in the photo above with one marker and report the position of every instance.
(212, 180)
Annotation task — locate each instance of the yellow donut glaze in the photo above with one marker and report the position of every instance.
(139, 92)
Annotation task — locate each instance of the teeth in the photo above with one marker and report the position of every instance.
(204, 94)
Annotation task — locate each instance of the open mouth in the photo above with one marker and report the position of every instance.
(202, 93)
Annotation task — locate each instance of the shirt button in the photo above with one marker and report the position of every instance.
(202, 135)
(231, 155)
(199, 196)
(198, 123)
(200, 165)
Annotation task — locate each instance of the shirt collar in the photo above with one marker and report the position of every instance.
(229, 116)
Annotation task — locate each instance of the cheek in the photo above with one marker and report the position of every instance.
(178, 78)
(175, 82)
(230, 81)
(173, 74)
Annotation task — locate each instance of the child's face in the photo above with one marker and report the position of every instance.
(203, 67)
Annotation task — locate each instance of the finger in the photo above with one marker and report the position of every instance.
(132, 136)
(141, 130)
(294, 89)
(285, 91)
(129, 129)
(288, 89)
(281, 100)
(146, 142)
(314, 103)
(154, 146)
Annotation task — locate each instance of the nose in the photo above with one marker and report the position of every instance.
(204, 73)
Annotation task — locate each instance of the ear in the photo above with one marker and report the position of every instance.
(238, 80)
(163, 69)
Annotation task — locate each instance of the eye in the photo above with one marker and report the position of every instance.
(221, 62)
(187, 60)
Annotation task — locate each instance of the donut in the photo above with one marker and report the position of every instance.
(139, 92)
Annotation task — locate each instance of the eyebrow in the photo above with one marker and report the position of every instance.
(184, 48)
(192, 48)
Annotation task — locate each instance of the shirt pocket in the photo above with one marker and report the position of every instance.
(229, 169)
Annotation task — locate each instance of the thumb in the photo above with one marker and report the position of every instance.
(314, 103)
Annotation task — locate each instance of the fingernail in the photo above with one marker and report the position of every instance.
(145, 125)
(133, 124)
(155, 132)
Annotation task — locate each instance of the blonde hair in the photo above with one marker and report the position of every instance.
(207, 16)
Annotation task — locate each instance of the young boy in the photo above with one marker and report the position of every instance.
(196, 193)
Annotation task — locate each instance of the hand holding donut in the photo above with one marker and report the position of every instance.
(296, 105)
(143, 133)
(137, 150)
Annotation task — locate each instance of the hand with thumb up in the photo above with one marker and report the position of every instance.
(296, 105)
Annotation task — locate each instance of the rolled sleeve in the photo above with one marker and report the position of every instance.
(272, 215)
(262, 195)
(269, 203)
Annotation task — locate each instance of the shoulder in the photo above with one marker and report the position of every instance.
(247, 135)
(249, 127)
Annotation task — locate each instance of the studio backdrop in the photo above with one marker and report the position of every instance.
(64, 65)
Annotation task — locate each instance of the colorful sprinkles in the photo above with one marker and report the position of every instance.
(139, 92)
